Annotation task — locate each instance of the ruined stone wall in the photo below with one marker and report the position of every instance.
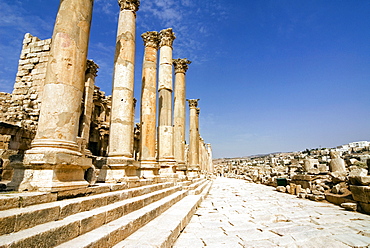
(5, 100)
(29, 82)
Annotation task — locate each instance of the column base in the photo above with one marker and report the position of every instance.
(119, 169)
(167, 168)
(49, 169)
(193, 172)
(149, 169)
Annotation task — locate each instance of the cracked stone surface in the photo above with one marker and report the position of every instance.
(241, 214)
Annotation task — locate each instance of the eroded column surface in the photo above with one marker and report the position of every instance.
(193, 167)
(148, 164)
(120, 164)
(181, 66)
(55, 162)
(165, 128)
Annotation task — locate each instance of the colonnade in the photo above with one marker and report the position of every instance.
(57, 162)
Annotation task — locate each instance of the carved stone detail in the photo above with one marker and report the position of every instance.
(193, 103)
(129, 4)
(91, 67)
(198, 111)
(181, 65)
(151, 39)
(166, 36)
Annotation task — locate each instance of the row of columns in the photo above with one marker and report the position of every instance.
(56, 161)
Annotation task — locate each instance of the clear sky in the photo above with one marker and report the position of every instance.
(272, 75)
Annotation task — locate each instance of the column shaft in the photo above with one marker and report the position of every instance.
(149, 167)
(193, 136)
(120, 164)
(54, 162)
(181, 66)
(165, 128)
(122, 122)
(91, 71)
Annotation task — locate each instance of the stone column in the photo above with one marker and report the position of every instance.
(210, 166)
(193, 167)
(55, 162)
(120, 163)
(148, 163)
(181, 66)
(165, 129)
(91, 73)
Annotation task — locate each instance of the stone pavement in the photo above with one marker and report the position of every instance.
(241, 214)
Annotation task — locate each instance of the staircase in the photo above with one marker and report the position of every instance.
(140, 214)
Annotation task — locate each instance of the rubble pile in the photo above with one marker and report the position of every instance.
(337, 175)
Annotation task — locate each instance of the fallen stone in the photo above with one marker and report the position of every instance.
(349, 206)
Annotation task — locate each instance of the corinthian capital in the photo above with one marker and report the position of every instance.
(91, 67)
(181, 65)
(129, 4)
(166, 36)
(151, 39)
(193, 103)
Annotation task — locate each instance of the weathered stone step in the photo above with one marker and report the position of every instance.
(200, 188)
(56, 232)
(110, 234)
(9, 200)
(14, 220)
(195, 183)
(164, 230)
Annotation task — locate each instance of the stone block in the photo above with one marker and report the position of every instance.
(33, 218)
(364, 207)
(7, 224)
(90, 223)
(360, 180)
(22, 73)
(34, 60)
(349, 206)
(28, 199)
(115, 213)
(8, 201)
(69, 208)
(361, 193)
(93, 203)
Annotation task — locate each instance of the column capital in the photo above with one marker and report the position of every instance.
(166, 36)
(193, 103)
(181, 65)
(92, 67)
(151, 39)
(129, 5)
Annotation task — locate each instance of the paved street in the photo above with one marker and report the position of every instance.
(241, 214)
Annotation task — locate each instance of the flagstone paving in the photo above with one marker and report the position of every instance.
(241, 214)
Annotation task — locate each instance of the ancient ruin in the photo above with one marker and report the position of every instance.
(337, 175)
(76, 171)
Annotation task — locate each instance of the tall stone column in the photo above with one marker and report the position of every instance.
(181, 66)
(193, 168)
(165, 129)
(148, 163)
(91, 73)
(55, 162)
(120, 163)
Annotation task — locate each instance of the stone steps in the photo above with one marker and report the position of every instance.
(14, 220)
(56, 232)
(165, 229)
(100, 220)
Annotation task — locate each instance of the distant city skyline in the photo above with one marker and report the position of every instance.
(272, 76)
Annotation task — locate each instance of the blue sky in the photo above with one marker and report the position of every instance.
(272, 75)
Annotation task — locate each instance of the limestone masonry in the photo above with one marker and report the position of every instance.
(76, 171)
(61, 132)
